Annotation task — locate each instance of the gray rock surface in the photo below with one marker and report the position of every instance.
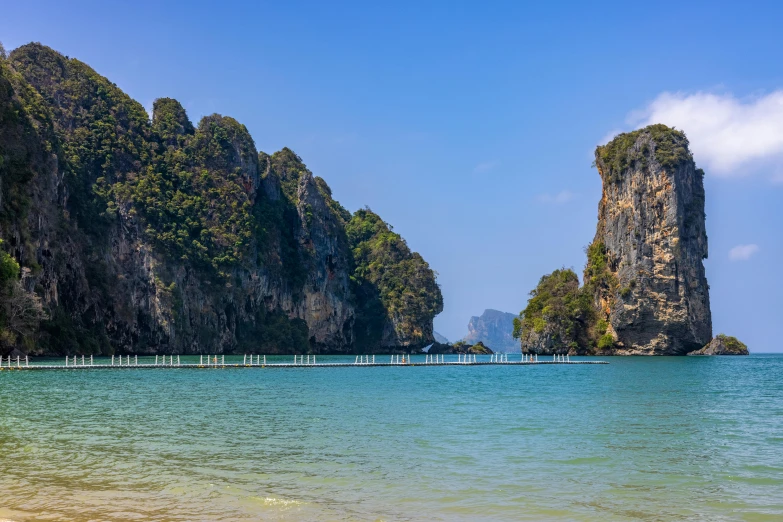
(651, 221)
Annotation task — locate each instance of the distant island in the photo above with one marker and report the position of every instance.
(123, 233)
(494, 329)
(645, 291)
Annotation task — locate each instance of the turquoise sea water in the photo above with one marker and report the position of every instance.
(659, 438)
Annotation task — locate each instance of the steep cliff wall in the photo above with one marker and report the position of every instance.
(160, 236)
(645, 266)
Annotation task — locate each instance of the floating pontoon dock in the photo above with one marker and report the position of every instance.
(125, 362)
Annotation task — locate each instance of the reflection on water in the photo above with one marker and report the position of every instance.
(641, 438)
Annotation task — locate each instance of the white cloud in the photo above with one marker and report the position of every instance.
(486, 166)
(728, 136)
(561, 197)
(743, 252)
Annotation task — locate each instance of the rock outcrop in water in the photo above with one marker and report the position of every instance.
(493, 328)
(644, 290)
(723, 345)
(139, 236)
(645, 266)
(460, 347)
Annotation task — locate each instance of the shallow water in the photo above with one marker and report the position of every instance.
(696, 438)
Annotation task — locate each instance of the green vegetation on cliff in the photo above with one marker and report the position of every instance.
(139, 234)
(104, 134)
(557, 309)
(195, 197)
(732, 344)
(395, 287)
(670, 148)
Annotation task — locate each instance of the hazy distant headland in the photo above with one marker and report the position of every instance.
(122, 234)
(494, 329)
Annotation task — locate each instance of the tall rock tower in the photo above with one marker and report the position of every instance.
(645, 266)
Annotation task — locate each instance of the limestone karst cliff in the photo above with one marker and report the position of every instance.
(644, 290)
(645, 266)
(134, 235)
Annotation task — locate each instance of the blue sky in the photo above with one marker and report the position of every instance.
(470, 127)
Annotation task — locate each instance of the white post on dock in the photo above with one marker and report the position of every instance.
(26, 361)
(201, 360)
(156, 360)
(356, 361)
(244, 359)
(136, 359)
(66, 360)
(264, 359)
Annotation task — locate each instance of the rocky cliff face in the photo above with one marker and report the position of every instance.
(161, 236)
(645, 267)
(494, 329)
